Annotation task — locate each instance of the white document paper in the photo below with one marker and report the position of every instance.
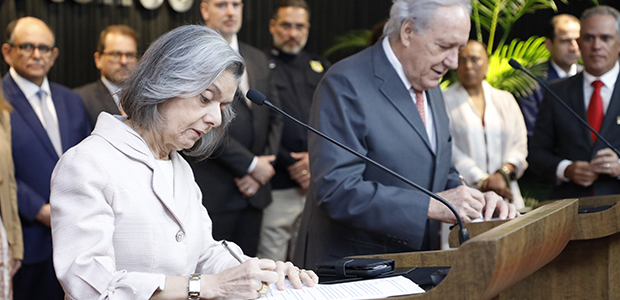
(356, 290)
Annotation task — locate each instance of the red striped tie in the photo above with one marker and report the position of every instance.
(419, 102)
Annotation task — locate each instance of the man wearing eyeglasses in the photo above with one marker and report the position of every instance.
(297, 74)
(116, 57)
(47, 119)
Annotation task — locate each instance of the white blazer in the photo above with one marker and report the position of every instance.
(118, 229)
(478, 150)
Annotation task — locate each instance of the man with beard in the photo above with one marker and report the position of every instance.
(235, 180)
(297, 74)
(116, 56)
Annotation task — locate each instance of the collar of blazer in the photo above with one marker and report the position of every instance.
(133, 145)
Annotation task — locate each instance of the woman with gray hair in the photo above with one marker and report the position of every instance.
(127, 217)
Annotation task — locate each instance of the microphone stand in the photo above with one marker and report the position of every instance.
(260, 99)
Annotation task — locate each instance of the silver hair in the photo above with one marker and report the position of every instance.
(182, 63)
(603, 10)
(420, 11)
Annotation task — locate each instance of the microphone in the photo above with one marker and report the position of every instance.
(516, 65)
(259, 99)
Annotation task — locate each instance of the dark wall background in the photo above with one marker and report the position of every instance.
(77, 26)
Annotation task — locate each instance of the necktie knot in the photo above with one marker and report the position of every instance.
(597, 84)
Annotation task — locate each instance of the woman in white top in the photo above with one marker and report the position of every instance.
(489, 138)
(127, 214)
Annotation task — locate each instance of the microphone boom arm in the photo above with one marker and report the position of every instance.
(463, 234)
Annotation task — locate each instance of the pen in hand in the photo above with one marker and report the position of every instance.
(265, 288)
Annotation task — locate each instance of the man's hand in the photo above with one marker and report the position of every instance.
(497, 184)
(606, 162)
(300, 171)
(247, 185)
(468, 203)
(581, 173)
(497, 207)
(264, 170)
(43, 215)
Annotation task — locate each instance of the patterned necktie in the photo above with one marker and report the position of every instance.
(595, 109)
(50, 125)
(419, 102)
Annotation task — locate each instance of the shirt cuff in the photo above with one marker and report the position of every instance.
(559, 171)
(253, 165)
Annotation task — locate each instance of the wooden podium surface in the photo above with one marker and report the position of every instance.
(589, 266)
(494, 260)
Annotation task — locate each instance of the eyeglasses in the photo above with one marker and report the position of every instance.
(116, 55)
(28, 48)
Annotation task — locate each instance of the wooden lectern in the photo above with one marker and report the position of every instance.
(494, 260)
(589, 266)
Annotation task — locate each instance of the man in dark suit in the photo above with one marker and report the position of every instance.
(47, 119)
(562, 149)
(116, 57)
(297, 74)
(385, 103)
(235, 180)
(562, 35)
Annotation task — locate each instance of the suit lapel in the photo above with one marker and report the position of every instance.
(22, 107)
(107, 100)
(396, 93)
(611, 122)
(64, 125)
(576, 102)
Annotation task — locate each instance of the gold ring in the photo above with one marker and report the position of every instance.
(304, 172)
(264, 289)
(301, 271)
(607, 165)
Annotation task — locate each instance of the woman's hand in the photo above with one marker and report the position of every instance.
(295, 275)
(241, 282)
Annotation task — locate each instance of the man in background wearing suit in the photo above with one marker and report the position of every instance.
(47, 119)
(297, 74)
(385, 103)
(562, 149)
(235, 179)
(116, 57)
(561, 42)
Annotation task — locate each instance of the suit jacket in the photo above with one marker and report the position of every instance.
(97, 98)
(559, 136)
(8, 190)
(35, 158)
(354, 208)
(118, 227)
(254, 131)
(531, 103)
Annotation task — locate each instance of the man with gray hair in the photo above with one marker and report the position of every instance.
(564, 151)
(385, 102)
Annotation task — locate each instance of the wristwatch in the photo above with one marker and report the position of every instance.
(193, 286)
(508, 176)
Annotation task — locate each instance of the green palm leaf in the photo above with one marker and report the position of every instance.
(532, 55)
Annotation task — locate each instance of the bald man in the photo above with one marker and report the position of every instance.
(47, 119)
